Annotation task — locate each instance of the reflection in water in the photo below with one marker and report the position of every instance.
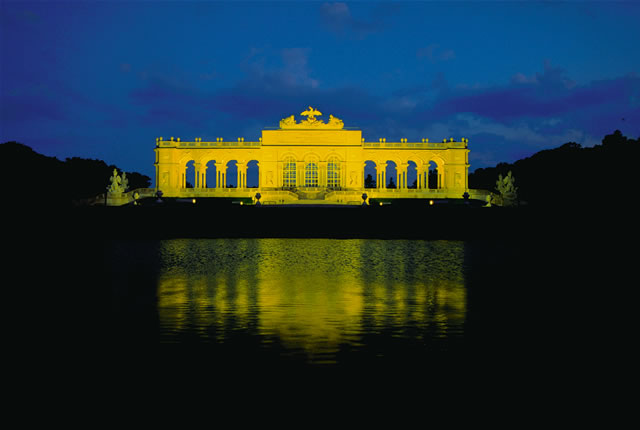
(312, 296)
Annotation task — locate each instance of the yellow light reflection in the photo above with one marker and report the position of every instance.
(311, 295)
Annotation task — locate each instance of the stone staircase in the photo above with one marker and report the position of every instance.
(311, 194)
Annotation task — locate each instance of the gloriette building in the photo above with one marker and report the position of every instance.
(313, 160)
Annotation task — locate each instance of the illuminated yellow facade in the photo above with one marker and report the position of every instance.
(313, 161)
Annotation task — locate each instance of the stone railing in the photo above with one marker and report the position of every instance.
(219, 144)
(414, 145)
(371, 145)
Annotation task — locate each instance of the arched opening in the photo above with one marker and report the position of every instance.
(434, 176)
(189, 175)
(212, 173)
(253, 174)
(370, 174)
(311, 174)
(412, 175)
(391, 174)
(333, 173)
(232, 174)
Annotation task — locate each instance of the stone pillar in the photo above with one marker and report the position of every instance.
(242, 175)
(364, 175)
(344, 175)
(203, 175)
(383, 176)
(300, 173)
(219, 168)
(222, 175)
(322, 174)
(402, 176)
(196, 179)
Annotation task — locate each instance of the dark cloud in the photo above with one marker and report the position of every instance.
(338, 18)
(512, 120)
(435, 54)
(546, 94)
(31, 108)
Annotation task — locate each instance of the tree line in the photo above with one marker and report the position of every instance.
(30, 177)
(572, 175)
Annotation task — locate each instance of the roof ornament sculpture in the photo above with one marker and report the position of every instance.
(311, 121)
(311, 114)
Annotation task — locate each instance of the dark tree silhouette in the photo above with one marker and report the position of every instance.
(49, 181)
(391, 183)
(369, 182)
(571, 174)
(433, 178)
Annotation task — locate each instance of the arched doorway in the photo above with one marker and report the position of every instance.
(391, 174)
(211, 175)
(370, 174)
(232, 174)
(412, 175)
(253, 174)
(189, 179)
(434, 181)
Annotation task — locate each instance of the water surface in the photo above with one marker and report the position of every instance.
(312, 300)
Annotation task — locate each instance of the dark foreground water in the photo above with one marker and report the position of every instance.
(311, 301)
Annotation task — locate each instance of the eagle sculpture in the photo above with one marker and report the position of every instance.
(311, 113)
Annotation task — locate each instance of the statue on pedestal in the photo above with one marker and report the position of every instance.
(508, 190)
(116, 183)
(124, 182)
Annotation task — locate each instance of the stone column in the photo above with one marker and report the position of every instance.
(203, 175)
(300, 174)
(402, 176)
(322, 174)
(196, 181)
(242, 174)
(383, 176)
(223, 176)
(364, 175)
(344, 175)
(219, 168)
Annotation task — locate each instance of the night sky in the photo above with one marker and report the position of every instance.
(104, 79)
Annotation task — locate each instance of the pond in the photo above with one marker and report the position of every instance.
(311, 301)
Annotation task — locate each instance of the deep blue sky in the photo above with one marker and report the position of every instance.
(104, 79)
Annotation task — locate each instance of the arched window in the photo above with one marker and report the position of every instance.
(333, 173)
(311, 174)
(289, 172)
